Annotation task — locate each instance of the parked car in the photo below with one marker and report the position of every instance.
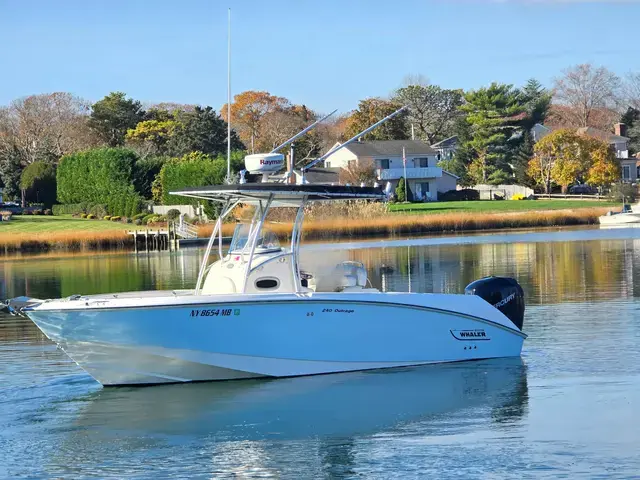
(583, 188)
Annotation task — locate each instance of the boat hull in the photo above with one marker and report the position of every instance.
(297, 336)
(620, 219)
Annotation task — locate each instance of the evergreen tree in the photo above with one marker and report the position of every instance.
(10, 171)
(495, 115)
(403, 195)
(631, 118)
(113, 116)
(202, 130)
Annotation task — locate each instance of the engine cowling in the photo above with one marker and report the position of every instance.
(503, 293)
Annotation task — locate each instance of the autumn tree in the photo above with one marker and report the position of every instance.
(584, 91)
(370, 111)
(356, 173)
(432, 110)
(604, 169)
(151, 137)
(564, 157)
(631, 90)
(45, 127)
(248, 111)
(113, 116)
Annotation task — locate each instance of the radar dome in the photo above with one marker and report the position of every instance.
(264, 162)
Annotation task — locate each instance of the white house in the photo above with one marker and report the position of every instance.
(424, 178)
(617, 141)
(447, 147)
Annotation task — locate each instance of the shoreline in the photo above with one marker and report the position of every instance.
(339, 228)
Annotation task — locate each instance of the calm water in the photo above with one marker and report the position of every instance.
(570, 408)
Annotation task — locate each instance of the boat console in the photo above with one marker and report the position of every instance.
(256, 262)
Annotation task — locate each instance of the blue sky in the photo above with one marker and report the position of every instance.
(326, 54)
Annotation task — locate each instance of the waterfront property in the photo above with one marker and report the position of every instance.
(424, 178)
(618, 142)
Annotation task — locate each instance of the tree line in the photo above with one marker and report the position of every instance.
(167, 142)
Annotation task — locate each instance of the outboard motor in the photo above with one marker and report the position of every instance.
(504, 293)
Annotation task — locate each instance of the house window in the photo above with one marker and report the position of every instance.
(424, 190)
(421, 162)
(626, 172)
(384, 164)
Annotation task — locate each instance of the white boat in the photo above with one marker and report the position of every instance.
(253, 312)
(629, 214)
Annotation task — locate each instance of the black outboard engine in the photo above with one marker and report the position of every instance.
(504, 293)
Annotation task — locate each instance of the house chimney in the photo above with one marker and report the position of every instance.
(620, 129)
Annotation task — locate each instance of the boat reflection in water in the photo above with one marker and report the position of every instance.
(325, 405)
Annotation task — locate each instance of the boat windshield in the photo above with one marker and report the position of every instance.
(267, 242)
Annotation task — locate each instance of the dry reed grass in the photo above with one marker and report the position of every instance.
(67, 240)
(369, 220)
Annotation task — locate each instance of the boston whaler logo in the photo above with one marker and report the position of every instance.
(471, 335)
(505, 300)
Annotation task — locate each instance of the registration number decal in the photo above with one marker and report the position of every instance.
(215, 312)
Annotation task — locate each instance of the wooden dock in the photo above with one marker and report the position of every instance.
(149, 239)
(154, 239)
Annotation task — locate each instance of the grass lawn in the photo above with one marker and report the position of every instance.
(487, 206)
(64, 223)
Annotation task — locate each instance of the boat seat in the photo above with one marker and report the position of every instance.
(219, 285)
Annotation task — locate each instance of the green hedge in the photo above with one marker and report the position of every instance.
(97, 209)
(192, 170)
(101, 176)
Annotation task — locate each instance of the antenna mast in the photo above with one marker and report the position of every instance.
(302, 132)
(353, 139)
(229, 97)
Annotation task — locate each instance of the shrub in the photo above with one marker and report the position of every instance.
(401, 194)
(83, 215)
(173, 214)
(115, 218)
(144, 173)
(48, 211)
(98, 209)
(100, 176)
(37, 211)
(38, 180)
(518, 196)
(91, 216)
(620, 191)
(137, 221)
(192, 170)
(465, 194)
(6, 215)
(107, 217)
(138, 216)
(148, 217)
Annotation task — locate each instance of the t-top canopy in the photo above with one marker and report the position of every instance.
(282, 193)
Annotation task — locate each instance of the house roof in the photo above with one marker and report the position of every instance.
(446, 143)
(589, 132)
(389, 148)
(321, 175)
(601, 135)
